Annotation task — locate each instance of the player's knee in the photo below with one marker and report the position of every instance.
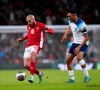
(32, 60)
(26, 65)
(82, 62)
(32, 56)
(79, 58)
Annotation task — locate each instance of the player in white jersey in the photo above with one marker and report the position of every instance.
(78, 28)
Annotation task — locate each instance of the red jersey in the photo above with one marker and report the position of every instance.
(36, 34)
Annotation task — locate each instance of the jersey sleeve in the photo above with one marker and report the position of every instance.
(43, 26)
(83, 28)
(69, 44)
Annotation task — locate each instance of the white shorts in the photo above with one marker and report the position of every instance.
(29, 49)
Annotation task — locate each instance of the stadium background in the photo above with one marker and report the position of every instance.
(50, 12)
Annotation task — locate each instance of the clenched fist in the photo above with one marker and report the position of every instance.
(19, 40)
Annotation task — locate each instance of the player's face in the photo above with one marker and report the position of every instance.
(70, 16)
(30, 21)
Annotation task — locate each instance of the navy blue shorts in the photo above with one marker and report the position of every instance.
(74, 45)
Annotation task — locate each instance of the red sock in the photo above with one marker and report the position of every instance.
(36, 71)
(32, 68)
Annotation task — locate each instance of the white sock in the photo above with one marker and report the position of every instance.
(71, 74)
(82, 62)
(85, 72)
(32, 76)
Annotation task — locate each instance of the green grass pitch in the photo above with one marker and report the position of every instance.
(52, 80)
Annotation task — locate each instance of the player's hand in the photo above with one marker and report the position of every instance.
(63, 38)
(46, 31)
(19, 40)
(76, 50)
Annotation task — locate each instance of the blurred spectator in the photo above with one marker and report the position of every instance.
(14, 12)
(12, 52)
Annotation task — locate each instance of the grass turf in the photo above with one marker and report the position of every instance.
(52, 80)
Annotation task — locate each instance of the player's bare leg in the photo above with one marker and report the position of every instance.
(27, 63)
(70, 69)
(83, 65)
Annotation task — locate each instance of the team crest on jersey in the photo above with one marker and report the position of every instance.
(37, 27)
(75, 29)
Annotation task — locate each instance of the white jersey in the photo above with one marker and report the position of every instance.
(78, 29)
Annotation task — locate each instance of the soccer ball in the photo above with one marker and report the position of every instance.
(20, 76)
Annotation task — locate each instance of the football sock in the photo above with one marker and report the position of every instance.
(85, 72)
(71, 74)
(32, 68)
(82, 62)
(31, 76)
(36, 71)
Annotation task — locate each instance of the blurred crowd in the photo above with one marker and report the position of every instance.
(12, 52)
(50, 12)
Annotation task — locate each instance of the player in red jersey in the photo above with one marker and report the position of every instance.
(35, 37)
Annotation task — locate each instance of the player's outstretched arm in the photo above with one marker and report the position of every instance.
(66, 34)
(22, 39)
(49, 30)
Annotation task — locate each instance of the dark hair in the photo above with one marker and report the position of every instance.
(72, 11)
